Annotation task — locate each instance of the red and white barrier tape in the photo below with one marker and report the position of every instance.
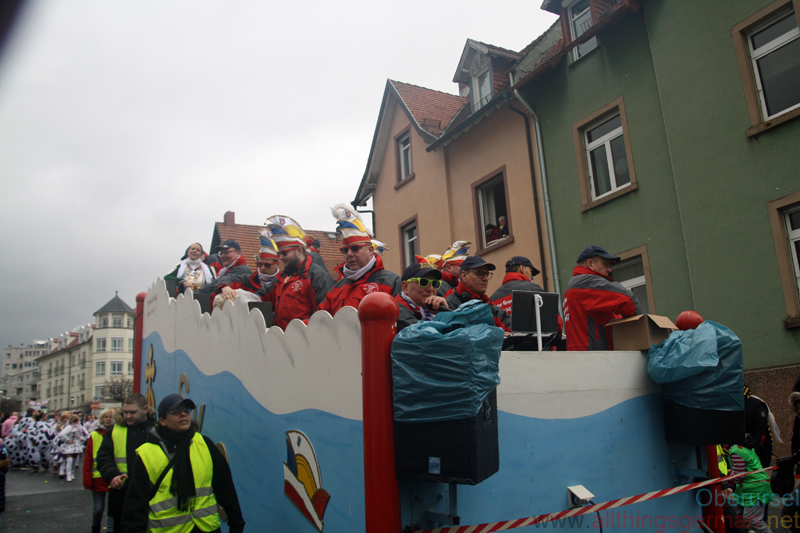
(522, 522)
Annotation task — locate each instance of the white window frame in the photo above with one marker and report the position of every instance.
(576, 31)
(100, 344)
(130, 344)
(490, 214)
(116, 321)
(767, 49)
(484, 88)
(794, 238)
(100, 368)
(113, 371)
(130, 368)
(104, 322)
(410, 236)
(404, 154)
(117, 344)
(597, 143)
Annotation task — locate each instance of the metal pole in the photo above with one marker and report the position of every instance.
(138, 328)
(378, 315)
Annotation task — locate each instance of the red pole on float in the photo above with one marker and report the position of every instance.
(138, 328)
(712, 513)
(378, 315)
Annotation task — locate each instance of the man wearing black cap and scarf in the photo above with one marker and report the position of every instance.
(519, 273)
(592, 299)
(472, 284)
(178, 478)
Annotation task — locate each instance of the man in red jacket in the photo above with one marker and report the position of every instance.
(472, 284)
(362, 272)
(592, 299)
(302, 284)
(519, 273)
(450, 266)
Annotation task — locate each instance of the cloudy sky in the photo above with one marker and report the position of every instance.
(128, 127)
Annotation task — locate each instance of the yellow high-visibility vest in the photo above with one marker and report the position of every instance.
(120, 438)
(97, 440)
(723, 463)
(164, 515)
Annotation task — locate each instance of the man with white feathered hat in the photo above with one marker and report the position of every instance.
(362, 272)
(302, 284)
(450, 265)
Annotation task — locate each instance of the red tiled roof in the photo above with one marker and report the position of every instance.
(247, 237)
(433, 110)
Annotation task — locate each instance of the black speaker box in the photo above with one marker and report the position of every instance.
(461, 451)
(701, 427)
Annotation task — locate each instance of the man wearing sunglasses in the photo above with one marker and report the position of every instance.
(179, 476)
(362, 273)
(418, 299)
(472, 284)
(300, 287)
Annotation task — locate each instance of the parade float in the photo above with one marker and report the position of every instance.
(305, 418)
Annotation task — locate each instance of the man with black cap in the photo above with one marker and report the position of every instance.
(231, 270)
(118, 452)
(592, 299)
(519, 275)
(472, 283)
(417, 299)
(178, 478)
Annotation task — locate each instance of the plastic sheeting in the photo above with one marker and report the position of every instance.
(700, 368)
(445, 368)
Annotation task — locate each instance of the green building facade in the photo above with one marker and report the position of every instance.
(656, 144)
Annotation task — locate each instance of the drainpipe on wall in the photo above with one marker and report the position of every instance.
(533, 179)
(551, 242)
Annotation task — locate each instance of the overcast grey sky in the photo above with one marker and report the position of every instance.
(128, 127)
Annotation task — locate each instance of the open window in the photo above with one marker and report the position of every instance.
(491, 205)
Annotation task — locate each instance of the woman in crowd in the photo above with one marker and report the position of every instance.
(70, 445)
(91, 476)
(192, 272)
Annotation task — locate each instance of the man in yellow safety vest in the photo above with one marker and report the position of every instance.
(178, 477)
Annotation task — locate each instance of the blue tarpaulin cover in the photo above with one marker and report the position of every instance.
(445, 368)
(700, 368)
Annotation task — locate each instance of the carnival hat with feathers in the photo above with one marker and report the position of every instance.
(379, 246)
(455, 254)
(351, 225)
(430, 260)
(286, 232)
(268, 252)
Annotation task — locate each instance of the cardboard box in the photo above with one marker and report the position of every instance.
(640, 331)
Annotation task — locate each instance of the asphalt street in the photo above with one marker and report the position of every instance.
(43, 503)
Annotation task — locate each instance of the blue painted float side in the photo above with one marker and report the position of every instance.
(255, 441)
(615, 453)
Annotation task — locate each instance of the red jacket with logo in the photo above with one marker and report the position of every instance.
(512, 281)
(348, 292)
(298, 294)
(590, 301)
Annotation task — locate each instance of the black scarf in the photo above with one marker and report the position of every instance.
(182, 484)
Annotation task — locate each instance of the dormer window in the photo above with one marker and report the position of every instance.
(483, 88)
(580, 20)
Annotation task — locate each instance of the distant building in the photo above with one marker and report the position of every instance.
(76, 370)
(20, 372)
